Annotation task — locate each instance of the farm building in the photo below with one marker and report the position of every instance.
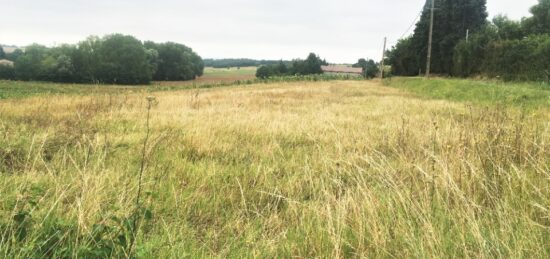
(9, 49)
(342, 70)
(5, 62)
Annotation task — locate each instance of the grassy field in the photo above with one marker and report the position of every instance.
(476, 91)
(246, 72)
(14, 89)
(305, 169)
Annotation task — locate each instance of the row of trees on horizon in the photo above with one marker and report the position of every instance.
(504, 48)
(112, 59)
(310, 66)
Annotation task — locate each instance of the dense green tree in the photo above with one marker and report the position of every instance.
(2, 53)
(14, 55)
(7, 72)
(469, 56)
(311, 65)
(282, 68)
(361, 63)
(85, 60)
(508, 29)
(523, 60)
(198, 64)
(61, 68)
(370, 67)
(153, 60)
(44, 64)
(117, 58)
(176, 62)
(123, 60)
(452, 19)
(403, 59)
(264, 72)
(32, 65)
(510, 50)
(539, 22)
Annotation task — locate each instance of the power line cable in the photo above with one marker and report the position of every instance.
(412, 24)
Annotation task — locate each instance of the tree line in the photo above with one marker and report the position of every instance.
(310, 66)
(511, 50)
(112, 59)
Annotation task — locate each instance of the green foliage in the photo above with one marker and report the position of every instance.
(86, 61)
(7, 72)
(310, 66)
(264, 72)
(174, 62)
(123, 60)
(507, 49)
(2, 53)
(452, 20)
(31, 65)
(539, 22)
(113, 59)
(362, 63)
(370, 68)
(469, 56)
(403, 59)
(507, 29)
(14, 55)
(525, 59)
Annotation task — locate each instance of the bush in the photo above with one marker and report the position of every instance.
(525, 59)
(469, 56)
(7, 72)
(264, 72)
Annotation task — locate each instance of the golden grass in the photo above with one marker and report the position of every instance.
(325, 169)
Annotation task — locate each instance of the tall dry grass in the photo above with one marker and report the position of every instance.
(316, 169)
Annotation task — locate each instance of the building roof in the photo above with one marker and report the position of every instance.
(5, 62)
(341, 69)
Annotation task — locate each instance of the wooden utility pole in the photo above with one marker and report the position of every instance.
(383, 57)
(430, 39)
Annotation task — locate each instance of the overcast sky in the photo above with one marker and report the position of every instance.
(338, 30)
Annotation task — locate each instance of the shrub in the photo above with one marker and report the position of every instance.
(525, 59)
(7, 72)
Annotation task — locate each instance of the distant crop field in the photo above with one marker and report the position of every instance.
(336, 169)
(19, 89)
(228, 72)
(217, 75)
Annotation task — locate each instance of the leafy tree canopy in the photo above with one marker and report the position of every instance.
(452, 19)
(113, 59)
